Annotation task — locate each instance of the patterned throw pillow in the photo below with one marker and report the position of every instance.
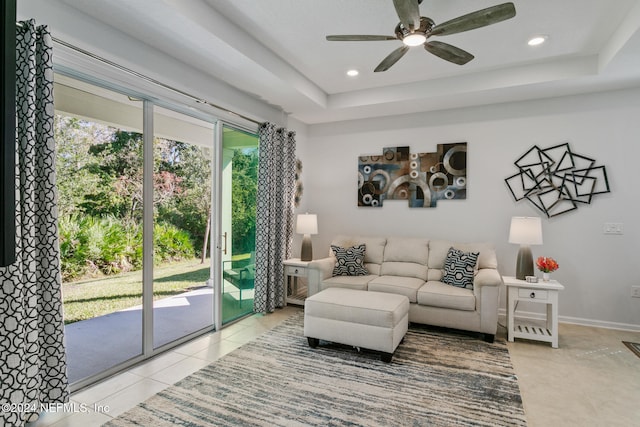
(459, 268)
(349, 261)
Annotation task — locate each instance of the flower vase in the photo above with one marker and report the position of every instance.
(545, 277)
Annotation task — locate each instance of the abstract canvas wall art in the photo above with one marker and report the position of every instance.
(556, 180)
(420, 178)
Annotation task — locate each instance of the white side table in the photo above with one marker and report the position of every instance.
(542, 293)
(294, 269)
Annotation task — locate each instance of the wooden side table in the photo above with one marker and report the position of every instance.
(293, 270)
(540, 292)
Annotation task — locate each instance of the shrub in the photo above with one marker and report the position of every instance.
(90, 246)
(109, 246)
(171, 243)
(72, 254)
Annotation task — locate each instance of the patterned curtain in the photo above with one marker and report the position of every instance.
(274, 216)
(33, 368)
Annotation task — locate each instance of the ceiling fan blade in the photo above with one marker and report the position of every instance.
(477, 19)
(391, 59)
(448, 52)
(408, 12)
(358, 38)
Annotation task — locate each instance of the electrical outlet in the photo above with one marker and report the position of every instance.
(613, 228)
(635, 291)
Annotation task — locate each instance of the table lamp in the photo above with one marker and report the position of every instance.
(525, 231)
(307, 224)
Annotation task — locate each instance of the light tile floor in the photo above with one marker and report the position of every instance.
(96, 405)
(592, 379)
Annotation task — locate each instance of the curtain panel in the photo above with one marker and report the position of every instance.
(274, 214)
(33, 368)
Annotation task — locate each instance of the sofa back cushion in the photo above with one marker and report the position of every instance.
(373, 255)
(405, 256)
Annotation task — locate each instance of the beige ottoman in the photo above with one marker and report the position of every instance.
(371, 320)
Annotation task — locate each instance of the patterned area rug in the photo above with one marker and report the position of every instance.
(437, 378)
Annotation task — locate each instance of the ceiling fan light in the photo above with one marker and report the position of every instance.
(414, 39)
(537, 40)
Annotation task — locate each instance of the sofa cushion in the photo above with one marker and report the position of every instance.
(405, 256)
(407, 286)
(404, 269)
(349, 282)
(435, 274)
(349, 261)
(406, 249)
(438, 294)
(459, 268)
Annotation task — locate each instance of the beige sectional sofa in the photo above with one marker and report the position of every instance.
(414, 267)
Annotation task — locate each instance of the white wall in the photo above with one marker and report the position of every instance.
(301, 130)
(596, 269)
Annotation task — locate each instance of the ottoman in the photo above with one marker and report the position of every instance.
(371, 320)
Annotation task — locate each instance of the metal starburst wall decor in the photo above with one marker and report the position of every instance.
(557, 180)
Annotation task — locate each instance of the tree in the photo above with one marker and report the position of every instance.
(244, 191)
(118, 163)
(75, 180)
(190, 209)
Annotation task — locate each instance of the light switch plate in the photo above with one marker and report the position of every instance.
(613, 228)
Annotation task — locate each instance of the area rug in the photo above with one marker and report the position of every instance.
(633, 346)
(437, 378)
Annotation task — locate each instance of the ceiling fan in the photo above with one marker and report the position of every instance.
(415, 30)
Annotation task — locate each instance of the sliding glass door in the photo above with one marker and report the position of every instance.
(182, 161)
(99, 145)
(239, 185)
(135, 187)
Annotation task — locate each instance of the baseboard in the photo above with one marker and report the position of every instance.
(574, 321)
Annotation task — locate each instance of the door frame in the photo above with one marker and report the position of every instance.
(217, 214)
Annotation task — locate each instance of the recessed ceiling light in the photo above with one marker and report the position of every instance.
(537, 40)
(352, 73)
(415, 39)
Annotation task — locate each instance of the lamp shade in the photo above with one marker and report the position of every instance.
(526, 230)
(307, 224)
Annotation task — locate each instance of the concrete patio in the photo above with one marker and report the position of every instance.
(97, 344)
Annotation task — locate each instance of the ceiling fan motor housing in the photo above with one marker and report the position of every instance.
(426, 25)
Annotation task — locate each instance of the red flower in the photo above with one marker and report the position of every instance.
(547, 265)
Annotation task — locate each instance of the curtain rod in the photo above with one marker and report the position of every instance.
(147, 78)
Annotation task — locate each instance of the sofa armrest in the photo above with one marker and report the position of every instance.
(319, 270)
(486, 287)
(487, 277)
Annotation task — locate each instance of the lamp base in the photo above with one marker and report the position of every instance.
(306, 254)
(524, 263)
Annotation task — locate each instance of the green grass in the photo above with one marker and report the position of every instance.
(86, 299)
